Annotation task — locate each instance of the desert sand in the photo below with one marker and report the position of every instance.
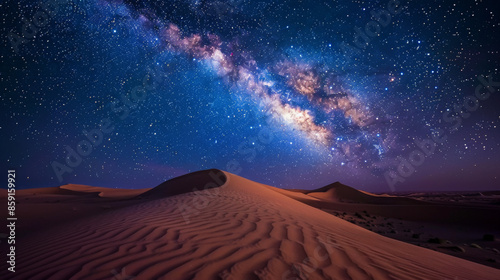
(216, 225)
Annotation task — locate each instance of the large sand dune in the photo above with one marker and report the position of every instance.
(227, 228)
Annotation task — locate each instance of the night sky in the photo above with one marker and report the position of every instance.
(296, 94)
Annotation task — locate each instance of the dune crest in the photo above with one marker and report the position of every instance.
(200, 180)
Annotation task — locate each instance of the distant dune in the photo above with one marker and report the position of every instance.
(338, 192)
(82, 190)
(216, 225)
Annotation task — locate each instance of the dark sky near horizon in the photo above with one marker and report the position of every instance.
(294, 94)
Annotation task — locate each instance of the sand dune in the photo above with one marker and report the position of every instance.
(228, 228)
(80, 190)
(42, 208)
(404, 208)
(338, 192)
(103, 192)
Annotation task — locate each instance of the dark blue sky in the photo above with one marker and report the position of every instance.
(295, 94)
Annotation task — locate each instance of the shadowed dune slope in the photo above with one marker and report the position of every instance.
(200, 180)
(239, 230)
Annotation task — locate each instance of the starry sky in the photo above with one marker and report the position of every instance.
(380, 95)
